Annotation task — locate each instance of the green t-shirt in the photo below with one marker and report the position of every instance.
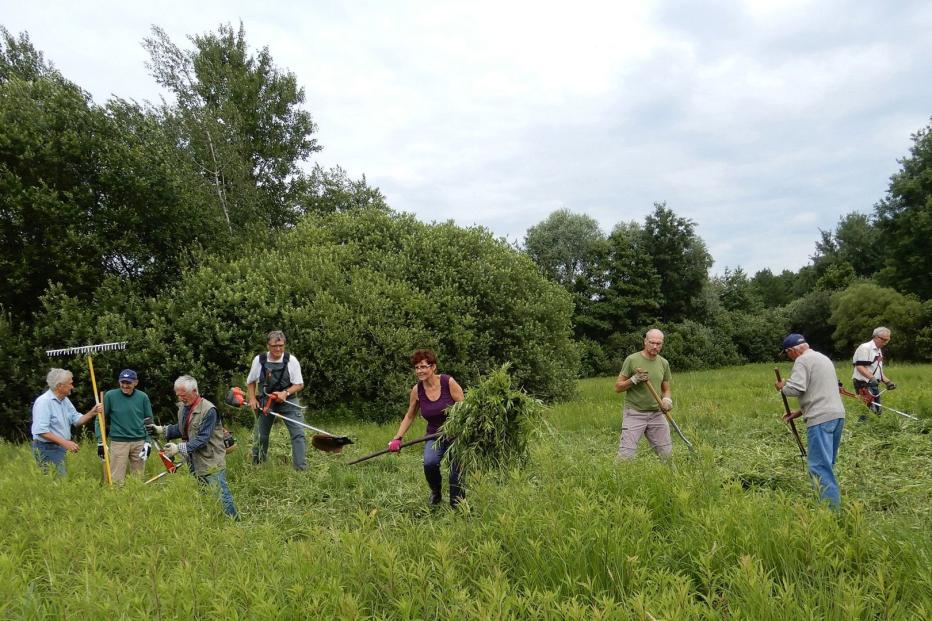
(658, 370)
(125, 415)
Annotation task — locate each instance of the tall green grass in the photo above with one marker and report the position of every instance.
(732, 531)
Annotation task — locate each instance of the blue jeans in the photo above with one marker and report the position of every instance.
(260, 447)
(434, 451)
(219, 481)
(49, 454)
(824, 441)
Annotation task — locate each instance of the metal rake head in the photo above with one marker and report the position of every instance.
(85, 349)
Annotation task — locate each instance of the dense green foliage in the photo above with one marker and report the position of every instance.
(493, 426)
(355, 293)
(732, 531)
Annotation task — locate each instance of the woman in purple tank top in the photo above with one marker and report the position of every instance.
(432, 395)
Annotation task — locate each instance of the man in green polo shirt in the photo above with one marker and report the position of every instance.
(642, 416)
(126, 408)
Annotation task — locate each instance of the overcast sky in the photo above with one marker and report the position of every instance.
(762, 121)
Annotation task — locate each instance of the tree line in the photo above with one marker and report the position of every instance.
(871, 269)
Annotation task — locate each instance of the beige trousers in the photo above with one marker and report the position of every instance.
(123, 454)
(635, 424)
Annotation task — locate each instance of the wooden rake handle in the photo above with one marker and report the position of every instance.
(429, 436)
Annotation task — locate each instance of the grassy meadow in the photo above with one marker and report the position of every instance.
(732, 531)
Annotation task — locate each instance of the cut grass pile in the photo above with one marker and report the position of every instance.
(493, 425)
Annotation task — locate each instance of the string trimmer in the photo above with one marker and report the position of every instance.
(869, 400)
(88, 350)
(322, 440)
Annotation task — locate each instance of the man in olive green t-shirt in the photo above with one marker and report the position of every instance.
(642, 415)
(126, 408)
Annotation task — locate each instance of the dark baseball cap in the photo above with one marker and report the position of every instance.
(793, 340)
(128, 375)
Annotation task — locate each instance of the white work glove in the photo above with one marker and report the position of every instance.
(155, 430)
(666, 403)
(144, 451)
(638, 377)
(170, 449)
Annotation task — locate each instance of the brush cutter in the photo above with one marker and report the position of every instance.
(167, 461)
(790, 421)
(653, 392)
(429, 436)
(322, 440)
(869, 400)
(89, 350)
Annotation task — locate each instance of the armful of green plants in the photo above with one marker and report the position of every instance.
(493, 425)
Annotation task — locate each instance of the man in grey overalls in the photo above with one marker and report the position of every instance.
(274, 379)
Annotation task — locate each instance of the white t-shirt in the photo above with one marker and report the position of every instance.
(870, 356)
(294, 369)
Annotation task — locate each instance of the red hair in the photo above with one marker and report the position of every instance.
(423, 354)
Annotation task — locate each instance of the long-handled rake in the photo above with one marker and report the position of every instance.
(89, 350)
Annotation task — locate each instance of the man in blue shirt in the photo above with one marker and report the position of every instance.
(53, 416)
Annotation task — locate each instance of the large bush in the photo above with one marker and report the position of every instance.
(860, 308)
(356, 294)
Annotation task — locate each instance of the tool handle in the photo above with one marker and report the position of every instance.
(101, 420)
(656, 395)
(429, 436)
(790, 422)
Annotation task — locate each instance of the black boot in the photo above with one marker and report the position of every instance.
(435, 482)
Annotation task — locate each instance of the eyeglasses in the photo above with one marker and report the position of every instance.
(126, 382)
(422, 367)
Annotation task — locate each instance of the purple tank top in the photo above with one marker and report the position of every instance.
(434, 411)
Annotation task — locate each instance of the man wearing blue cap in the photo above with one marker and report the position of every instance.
(125, 408)
(814, 382)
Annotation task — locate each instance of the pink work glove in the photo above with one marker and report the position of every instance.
(395, 445)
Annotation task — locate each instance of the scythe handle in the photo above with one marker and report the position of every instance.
(790, 422)
(656, 396)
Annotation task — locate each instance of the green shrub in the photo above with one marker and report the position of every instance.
(355, 293)
(691, 345)
(860, 308)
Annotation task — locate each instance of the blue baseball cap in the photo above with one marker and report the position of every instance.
(793, 340)
(128, 375)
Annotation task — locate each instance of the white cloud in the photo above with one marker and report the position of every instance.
(762, 120)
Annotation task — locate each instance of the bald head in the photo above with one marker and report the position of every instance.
(653, 343)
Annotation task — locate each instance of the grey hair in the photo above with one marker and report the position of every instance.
(188, 383)
(881, 331)
(57, 376)
(274, 335)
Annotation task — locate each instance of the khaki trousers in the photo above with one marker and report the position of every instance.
(123, 454)
(635, 424)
